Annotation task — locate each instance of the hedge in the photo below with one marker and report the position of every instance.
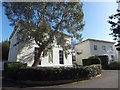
(51, 73)
(114, 66)
(101, 59)
(14, 65)
(104, 61)
(87, 62)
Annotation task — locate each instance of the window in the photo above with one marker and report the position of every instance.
(104, 48)
(112, 57)
(111, 48)
(73, 58)
(36, 51)
(61, 57)
(95, 47)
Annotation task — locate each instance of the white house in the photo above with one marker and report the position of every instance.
(92, 47)
(26, 53)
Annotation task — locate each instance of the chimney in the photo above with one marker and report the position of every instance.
(118, 1)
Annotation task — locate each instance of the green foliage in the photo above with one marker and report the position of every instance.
(86, 62)
(5, 49)
(101, 59)
(91, 60)
(14, 65)
(52, 74)
(114, 66)
(114, 21)
(104, 61)
(46, 21)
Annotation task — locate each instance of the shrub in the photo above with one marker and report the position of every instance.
(86, 62)
(104, 61)
(51, 73)
(114, 66)
(4, 47)
(14, 65)
(91, 60)
(101, 59)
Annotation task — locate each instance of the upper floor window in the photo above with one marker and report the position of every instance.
(95, 47)
(111, 48)
(104, 48)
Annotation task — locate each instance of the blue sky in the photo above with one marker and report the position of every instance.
(96, 17)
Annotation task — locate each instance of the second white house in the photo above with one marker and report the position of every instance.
(91, 47)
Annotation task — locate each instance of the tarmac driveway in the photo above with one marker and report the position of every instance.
(108, 79)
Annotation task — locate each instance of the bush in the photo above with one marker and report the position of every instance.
(14, 65)
(101, 59)
(4, 47)
(86, 62)
(91, 60)
(104, 61)
(50, 73)
(114, 66)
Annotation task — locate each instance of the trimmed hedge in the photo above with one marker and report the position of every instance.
(52, 74)
(104, 61)
(91, 60)
(101, 59)
(114, 66)
(87, 62)
(14, 65)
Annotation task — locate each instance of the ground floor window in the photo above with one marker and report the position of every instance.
(73, 58)
(36, 51)
(112, 57)
(61, 57)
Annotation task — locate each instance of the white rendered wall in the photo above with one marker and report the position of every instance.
(100, 50)
(84, 49)
(13, 49)
(67, 62)
(26, 53)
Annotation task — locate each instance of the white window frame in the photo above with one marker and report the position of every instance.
(95, 47)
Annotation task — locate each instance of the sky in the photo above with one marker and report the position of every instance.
(95, 17)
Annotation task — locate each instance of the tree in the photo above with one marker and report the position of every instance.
(115, 27)
(5, 49)
(46, 21)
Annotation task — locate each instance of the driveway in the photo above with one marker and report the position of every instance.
(108, 79)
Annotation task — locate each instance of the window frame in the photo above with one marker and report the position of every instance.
(95, 47)
(61, 57)
(104, 48)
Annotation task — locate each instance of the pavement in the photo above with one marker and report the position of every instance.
(108, 80)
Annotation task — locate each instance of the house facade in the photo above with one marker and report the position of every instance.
(91, 47)
(26, 53)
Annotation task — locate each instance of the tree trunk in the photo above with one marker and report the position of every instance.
(37, 60)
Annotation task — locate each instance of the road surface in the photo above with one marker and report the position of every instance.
(108, 79)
